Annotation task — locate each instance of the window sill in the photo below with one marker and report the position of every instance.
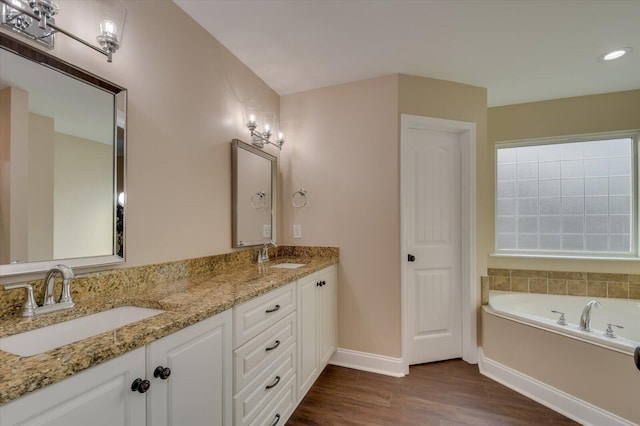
(563, 256)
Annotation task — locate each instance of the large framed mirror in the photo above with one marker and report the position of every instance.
(254, 174)
(62, 163)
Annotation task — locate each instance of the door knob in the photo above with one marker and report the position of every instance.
(411, 258)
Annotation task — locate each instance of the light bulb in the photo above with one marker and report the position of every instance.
(266, 128)
(252, 118)
(614, 55)
(280, 136)
(107, 27)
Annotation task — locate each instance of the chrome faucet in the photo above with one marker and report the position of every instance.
(585, 318)
(263, 254)
(66, 274)
(49, 304)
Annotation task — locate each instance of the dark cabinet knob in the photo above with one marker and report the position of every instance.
(140, 385)
(318, 283)
(162, 372)
(411, 258)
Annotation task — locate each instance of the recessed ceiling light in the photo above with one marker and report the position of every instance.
(614, 54)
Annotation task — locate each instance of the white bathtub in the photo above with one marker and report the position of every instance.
(535, 310)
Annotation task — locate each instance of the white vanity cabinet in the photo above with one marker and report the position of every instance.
(265, 358)
(99, 396)
(198, 389)
(317, 325)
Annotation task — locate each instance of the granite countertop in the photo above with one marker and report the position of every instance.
(185, 301)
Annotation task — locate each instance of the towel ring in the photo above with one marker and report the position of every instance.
(301, 196)
(258, 200)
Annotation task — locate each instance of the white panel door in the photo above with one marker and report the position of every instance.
(307, 333)
(432, 206)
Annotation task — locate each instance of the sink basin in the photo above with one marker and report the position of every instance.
(288, 265)
(53, 336)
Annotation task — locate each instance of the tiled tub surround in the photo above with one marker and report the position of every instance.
(189, 291)
(622, 286)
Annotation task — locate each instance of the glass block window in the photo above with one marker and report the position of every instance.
(574, 198)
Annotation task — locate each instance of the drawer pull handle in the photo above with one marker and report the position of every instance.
(277, 420)
(268, 311)
(140, 385)
(275, 345)
(274, 384)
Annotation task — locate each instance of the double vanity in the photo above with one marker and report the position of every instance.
(232, 339)
(226, 342)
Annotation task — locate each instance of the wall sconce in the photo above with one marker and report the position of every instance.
(262, 138)
(35, 19)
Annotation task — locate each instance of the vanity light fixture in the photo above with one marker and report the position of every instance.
(35, 19)
(614, 54)
(260, 139)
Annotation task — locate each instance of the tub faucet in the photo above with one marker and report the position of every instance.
(263, 254)
(585, 318)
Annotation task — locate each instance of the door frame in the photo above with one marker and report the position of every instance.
(469, 286)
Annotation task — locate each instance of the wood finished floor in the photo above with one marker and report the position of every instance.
(447, 393)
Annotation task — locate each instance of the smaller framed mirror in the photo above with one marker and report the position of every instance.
(254, 174)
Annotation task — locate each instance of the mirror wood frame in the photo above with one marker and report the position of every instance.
(237, 144)
(19, 270)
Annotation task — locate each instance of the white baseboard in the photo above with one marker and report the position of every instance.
(581, 411)
(372, 363)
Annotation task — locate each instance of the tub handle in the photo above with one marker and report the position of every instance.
(561, 320)
(609, 331)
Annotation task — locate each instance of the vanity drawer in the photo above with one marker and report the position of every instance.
(255, 316)
(252, 357)
(277, 412)
(265, 387)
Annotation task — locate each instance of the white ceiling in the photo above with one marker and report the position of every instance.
(520, 50)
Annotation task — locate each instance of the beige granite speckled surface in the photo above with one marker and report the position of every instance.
(189, 291)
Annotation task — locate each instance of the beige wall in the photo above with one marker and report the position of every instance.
(83, 201)
(580, 115)
(345, 151)
(14, 179)
(184, 108)
(40, 209)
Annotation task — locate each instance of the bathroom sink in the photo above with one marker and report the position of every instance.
(53, 336)
(288, 265)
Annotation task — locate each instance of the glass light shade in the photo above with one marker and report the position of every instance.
(111, 15)
(269, 120)
(252, 112)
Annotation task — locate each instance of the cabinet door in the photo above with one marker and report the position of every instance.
(199, 389)
(99, 396)
(307, 333)
(327, 314)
